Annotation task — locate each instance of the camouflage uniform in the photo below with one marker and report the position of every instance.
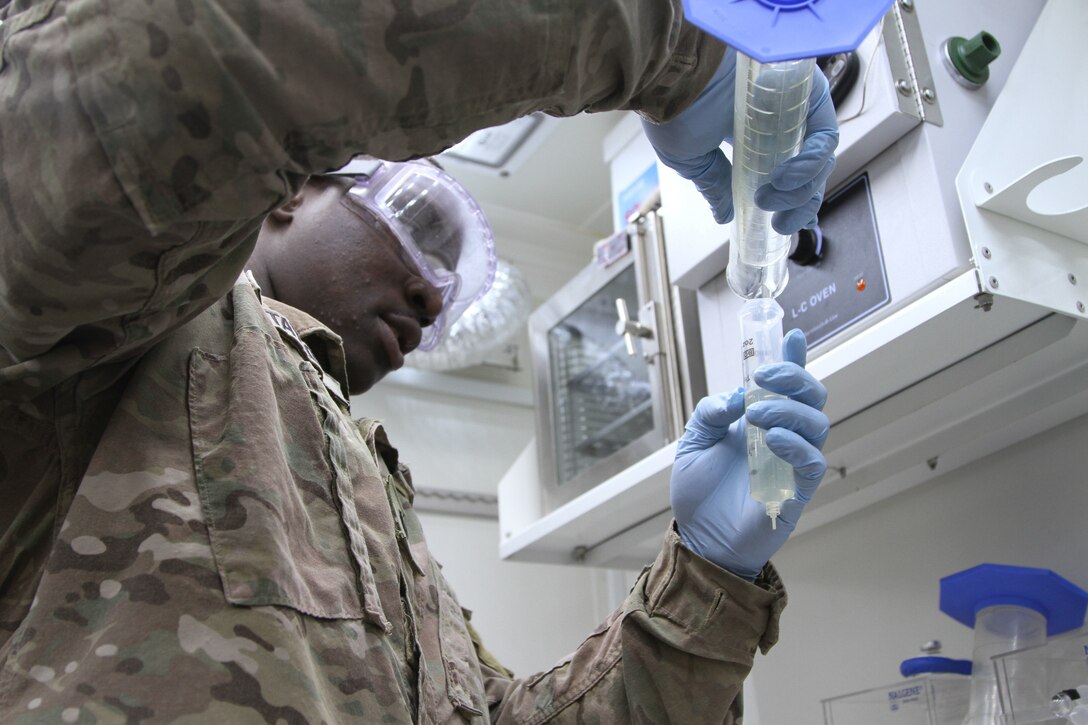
(193, 528)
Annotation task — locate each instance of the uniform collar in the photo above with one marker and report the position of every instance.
(325, 344)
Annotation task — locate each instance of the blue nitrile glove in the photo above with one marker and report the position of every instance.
(689, 144)
(715, 515)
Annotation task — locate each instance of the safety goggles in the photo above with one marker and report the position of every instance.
(438, 225)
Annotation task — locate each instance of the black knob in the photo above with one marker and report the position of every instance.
(842, 71)
(809, 246)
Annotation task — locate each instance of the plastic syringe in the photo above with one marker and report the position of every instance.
(769, 125)
(770, 479)
(769, 122)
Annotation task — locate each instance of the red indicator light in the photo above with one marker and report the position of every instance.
(861, 285)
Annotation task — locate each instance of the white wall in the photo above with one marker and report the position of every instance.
(863, 592)
(529, 615)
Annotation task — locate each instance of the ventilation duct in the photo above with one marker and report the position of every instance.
(485, 327)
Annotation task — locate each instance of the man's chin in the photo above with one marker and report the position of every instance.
(362, 378)
(358, 386)
(366, 366)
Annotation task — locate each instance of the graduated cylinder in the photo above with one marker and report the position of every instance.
(769, 125)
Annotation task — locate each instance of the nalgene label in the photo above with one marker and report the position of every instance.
(902, 696)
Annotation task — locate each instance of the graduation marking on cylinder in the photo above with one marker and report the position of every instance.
(777, 43)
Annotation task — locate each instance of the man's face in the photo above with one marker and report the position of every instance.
(348, 270)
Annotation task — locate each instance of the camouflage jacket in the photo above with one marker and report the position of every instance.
(192, 527)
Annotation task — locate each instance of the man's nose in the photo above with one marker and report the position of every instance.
(426, 300)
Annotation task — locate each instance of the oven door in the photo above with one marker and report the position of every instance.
(606, 399)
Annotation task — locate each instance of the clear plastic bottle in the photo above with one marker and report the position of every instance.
(1000, 629)
(770, 478)
(769, 125)
(1072, 705)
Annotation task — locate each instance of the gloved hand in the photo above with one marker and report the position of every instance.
(715, 515)
(689, 144)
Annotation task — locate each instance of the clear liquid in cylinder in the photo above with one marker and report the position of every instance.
(770, 109)
(770, 478)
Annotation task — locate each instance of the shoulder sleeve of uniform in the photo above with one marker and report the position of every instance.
(143, 205)
(677, 650)
(659, 75)
(705, 608)
(298, 88)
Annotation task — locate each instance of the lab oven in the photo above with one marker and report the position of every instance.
(617, 363)
(938, 291)
(944, 304)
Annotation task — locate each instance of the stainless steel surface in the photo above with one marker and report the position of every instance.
(689, 351)
(910, 64)
(931, 647)
(601, 407)
(671, 321)
(628, 328)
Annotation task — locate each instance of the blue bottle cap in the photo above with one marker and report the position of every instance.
(965, 594)
(770, 30)
(930, 665)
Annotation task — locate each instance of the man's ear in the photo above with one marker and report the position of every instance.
(285, 213)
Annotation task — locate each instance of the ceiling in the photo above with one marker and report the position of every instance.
(546, 212)
(554, 201)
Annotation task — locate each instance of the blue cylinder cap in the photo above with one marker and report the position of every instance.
(926, 665)
(771, 30)
(966, 593)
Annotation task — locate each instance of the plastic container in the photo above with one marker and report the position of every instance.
(1060, 664)
(998, 630)
(770, 478)
(933, 699)
(769, 125)
(1072, 705)
(1011, 608)
(770, 30)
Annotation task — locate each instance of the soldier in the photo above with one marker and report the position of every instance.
(193, 526)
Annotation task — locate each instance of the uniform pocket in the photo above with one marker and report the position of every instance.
(265, 484)
(464, 682)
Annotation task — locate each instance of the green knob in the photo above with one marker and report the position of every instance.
(969, 58)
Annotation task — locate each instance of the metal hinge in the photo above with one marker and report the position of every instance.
(910, 64)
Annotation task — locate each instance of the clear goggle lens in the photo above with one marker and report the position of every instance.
(438, 224)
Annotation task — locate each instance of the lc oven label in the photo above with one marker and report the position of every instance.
(849, 282)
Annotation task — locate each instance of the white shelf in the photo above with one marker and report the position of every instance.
(988, 380)
(595, 528)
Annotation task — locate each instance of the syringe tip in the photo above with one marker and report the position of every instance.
(773, 508)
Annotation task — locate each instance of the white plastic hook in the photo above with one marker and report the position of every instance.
(1013, 201)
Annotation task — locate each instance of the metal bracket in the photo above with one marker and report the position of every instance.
(984, 301)
(909, 63)
(647, 317)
